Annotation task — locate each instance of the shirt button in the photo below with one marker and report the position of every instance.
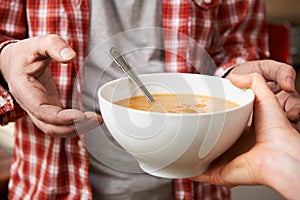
(2, 102)
(207, 1)
(80, 144)
(84, 197)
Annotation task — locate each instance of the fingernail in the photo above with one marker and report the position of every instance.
(291, 83)
(67, 53)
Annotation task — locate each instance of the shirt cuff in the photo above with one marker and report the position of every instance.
(9, 110)
(221, 72)
(4, 44)
(227, 71)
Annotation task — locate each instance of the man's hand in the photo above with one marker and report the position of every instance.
(281, 79)
(24, 65)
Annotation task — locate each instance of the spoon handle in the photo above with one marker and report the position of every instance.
(122, 63)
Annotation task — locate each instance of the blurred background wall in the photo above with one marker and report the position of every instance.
(287, 12)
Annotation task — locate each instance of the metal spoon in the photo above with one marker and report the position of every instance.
(118, 57)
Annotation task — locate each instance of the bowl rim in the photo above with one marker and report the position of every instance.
(250, 101)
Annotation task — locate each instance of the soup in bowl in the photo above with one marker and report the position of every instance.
(195, 119)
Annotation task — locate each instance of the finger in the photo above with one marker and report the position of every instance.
(296, 126)
(92, 121)
(73, 129)
(229, 175)
(57, 115)
(291, 104)
(43, 111)
(294, 114)
(62, 131)
(282, 73)
(92, 115)
(274, 86)
(213, 176)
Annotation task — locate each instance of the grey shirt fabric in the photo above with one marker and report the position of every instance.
(134, 26)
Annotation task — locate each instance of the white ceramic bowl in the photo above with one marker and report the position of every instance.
(175, 145)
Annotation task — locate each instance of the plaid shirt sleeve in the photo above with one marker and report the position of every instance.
(232, 32)
(242, 34)
(10, 32)
(9, 109)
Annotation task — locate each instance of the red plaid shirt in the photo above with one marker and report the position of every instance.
(44, 167)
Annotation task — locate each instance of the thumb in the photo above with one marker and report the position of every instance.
(54, 47)
(267, 110)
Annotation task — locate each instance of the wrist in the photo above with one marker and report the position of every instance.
(284, 175)
(286, 183)
(4, 44)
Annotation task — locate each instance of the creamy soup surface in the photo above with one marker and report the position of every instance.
(179, 103)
